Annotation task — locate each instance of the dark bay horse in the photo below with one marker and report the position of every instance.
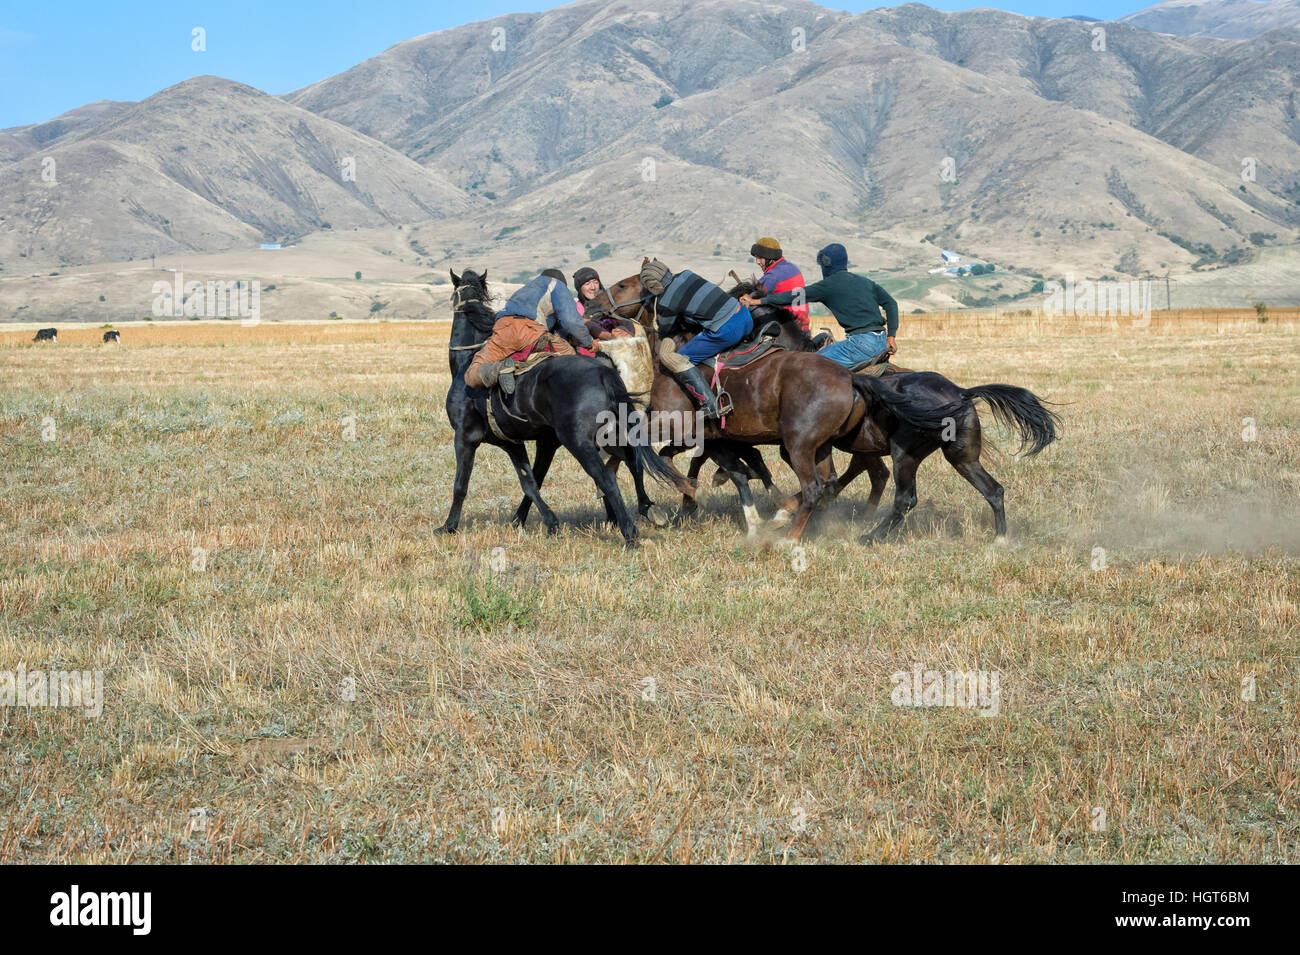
(796, 399)
(563, 401)
(908, 415)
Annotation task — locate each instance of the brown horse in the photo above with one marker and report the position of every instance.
(907, 415)
(796, 399)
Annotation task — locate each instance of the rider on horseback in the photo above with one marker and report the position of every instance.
(531, 321)
(779, 273)
(685, 296)
(856, 303)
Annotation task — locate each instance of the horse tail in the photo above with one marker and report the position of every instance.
(1018, 409)
(617, 394)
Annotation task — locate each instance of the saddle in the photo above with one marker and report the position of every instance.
(872, 366)
(493, 402)
(758, 345)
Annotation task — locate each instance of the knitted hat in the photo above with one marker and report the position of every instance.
(766, 248)
(655, 277)
(584, 275)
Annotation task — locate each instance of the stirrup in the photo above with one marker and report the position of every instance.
(725, 407)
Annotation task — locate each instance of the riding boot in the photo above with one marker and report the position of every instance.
(499, 373)
(697, 386)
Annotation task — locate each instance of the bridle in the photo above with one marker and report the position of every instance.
(641, 303)
(458, 307)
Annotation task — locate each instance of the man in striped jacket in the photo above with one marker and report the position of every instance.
(779, 274)
(686, 297)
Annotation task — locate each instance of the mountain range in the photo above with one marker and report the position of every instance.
(1230, 19)
(694, 127)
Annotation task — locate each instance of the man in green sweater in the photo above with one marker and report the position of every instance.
(856, 303)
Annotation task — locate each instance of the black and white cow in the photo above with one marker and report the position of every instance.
(113, 336)
(47, 334)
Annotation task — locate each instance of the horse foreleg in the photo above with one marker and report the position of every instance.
(644, 506)
(464, 466)
(532, 490)
(905, 465)
(670, 451)
(729, 461)
(541, 464)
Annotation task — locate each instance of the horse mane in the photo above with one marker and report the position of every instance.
(766, 313)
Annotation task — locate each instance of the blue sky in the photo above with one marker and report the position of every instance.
(55, 56)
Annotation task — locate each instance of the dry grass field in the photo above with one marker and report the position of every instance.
(238, 526)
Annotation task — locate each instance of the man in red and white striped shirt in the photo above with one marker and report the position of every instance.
(780, 275)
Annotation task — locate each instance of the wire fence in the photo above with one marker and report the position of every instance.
(1036, 321)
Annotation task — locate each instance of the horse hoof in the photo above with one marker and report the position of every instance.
(781, 518)
(656, 516)
(1000, 540)
(552, 530)
(866, 540)
(447, 529)
(631, 543)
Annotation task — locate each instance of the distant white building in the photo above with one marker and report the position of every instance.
(950, 258)
(269, 245)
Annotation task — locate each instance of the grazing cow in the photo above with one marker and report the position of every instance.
(113, 336)
(47, 334)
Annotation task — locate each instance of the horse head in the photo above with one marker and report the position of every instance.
(792, 337)
(471, 302)
(628, 298)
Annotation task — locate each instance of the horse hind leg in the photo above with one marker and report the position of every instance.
(986, 484)
(589, 457)
(879, 474)
(807, 467)
(785, 513)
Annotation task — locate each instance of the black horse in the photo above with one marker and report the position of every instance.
(567, 400)
(914, 414)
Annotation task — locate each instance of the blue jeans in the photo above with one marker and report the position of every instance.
(709, 343)
(855, 348)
